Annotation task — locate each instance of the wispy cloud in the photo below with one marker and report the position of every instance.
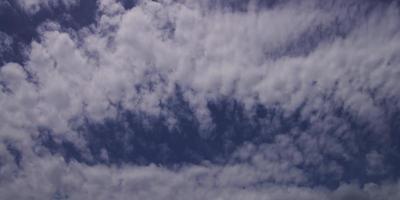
(34, 6)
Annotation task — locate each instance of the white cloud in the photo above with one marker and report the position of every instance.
(136, 57)
(50, 177)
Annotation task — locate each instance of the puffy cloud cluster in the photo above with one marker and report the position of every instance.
(138, 59)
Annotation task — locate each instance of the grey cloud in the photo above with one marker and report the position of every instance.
(375, 163)
(33, 6)
(78, 181)
(137, 58)
(5, 44)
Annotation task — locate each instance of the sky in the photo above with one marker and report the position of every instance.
(211, 99)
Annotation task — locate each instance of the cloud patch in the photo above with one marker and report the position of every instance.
(33, 6)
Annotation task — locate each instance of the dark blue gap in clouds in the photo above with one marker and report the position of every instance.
(392, 152)
(65, 148)
(139, 139)
(13, 24)
(22, 27)
(128, 4)
(15, 153)
(142, 139)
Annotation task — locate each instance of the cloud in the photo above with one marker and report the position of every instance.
(137, 60)
(78, 181)
(127, 59)
(33, 6)
(5, 46)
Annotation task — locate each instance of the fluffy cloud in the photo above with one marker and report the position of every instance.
(52, 178)
(138, 59)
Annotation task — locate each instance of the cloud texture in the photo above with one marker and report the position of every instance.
(34, 6)
(325, 76)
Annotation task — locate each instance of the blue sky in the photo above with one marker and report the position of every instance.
(108, 99)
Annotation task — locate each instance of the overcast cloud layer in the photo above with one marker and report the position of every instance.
(201, 100)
